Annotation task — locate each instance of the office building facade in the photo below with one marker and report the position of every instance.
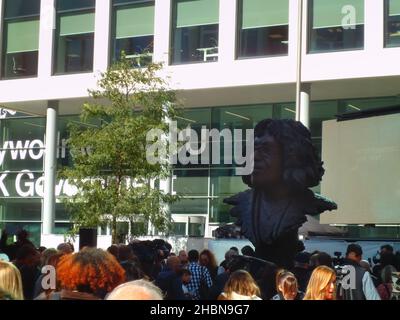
(233, 62)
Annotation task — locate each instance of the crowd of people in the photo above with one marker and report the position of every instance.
(149, 270)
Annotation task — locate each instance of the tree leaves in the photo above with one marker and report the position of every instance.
(109, 149)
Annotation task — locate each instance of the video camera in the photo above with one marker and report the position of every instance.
(376, 258)
(341, 271)
(338, 260)
(149, 252)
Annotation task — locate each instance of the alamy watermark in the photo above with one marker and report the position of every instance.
(346, 277)
(349, 20)
(187, 147)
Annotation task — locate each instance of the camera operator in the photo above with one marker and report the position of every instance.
(364, 286)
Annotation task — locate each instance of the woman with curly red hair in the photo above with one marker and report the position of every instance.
(87, 275)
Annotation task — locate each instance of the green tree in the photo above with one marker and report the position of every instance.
(108, 149)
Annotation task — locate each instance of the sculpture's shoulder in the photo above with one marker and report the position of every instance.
(241, 202)
(315, 204)
(241, 210)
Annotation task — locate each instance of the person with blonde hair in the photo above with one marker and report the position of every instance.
(287, 286)
(240, 286)
(322, 284)
(10, 280)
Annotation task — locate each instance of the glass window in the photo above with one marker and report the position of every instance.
(22, 144)
(190, 206)
(195, 119)
(24, 184)
(191, 182)
(365, 232)
(241, 117)
(62, 214)
(356, 105)
(178, 229)
(197, 226)
(392, 35)
(224, 183)
(75, 40)
(321, 111)
(134, 32)
(18, 159)
(284, 111)
(15, 129)
(65, 5)
(336, 25)
(21, 8)
(20, 210)
(62, 228)
(139, 228)
(195, 31)
(21, 40)
(236, 120)
(264, 28)
(13, 228)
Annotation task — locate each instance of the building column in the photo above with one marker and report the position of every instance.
(303, 90)
(102, 36)
(227, 31)
(304, 112)
(47, 27)
(50, 168)
(162, 27)
(374, 26)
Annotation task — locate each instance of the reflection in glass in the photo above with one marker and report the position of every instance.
(264, 28)
(75, 42)
(21, 39)
(178, 229)
(190, 182)
(195, 37)
(20, 209)
(392, 23)
(193, 205)
(336, 25)
(65, 5)
(134, 32)
(21, 8)
(13, 228)
(197, 226)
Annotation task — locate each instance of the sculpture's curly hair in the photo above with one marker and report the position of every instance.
(91, 270)
(301, 163)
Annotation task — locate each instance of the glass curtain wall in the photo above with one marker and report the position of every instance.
(336, 25)
(392, 23)
(195, 31)
(263, 28)
(133, 30)
(74, 36)
(20, 38)
(21, 171)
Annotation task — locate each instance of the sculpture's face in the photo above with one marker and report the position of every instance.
(268, 162)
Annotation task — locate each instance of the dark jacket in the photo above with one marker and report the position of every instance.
(303, 276)
(171, 284)
(357, 293)
(29, 275)
(218, 285)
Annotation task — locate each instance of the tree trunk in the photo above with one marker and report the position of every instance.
(114, 235)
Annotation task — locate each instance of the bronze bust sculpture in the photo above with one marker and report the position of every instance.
(286, 165)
